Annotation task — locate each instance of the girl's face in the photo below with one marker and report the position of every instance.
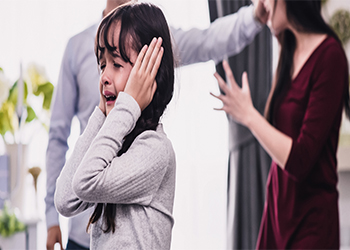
(277, 20)
(114, 70)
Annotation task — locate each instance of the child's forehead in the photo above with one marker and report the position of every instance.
(116, 43)
(111, 35)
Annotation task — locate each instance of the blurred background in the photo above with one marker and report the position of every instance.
(34, 34)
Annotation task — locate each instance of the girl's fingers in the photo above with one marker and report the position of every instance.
(102, 104)
(154, 88)
(148, 54)
(154, 55)
(157, 63)
(140, 57)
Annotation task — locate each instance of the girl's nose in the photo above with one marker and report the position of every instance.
(105, 79)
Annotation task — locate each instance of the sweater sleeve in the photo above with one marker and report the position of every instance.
(66, 201)
(329, 80)
(135, 176)
(226, 36)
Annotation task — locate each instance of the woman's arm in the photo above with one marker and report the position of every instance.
(323, 111)
(276, 144)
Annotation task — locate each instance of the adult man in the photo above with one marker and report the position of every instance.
(76, 94)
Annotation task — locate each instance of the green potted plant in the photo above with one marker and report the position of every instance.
(36, 88)
(19, 126)
(340, 22)
(9, 223)
(12, 234)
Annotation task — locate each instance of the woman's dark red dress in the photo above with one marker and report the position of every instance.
(301, 208)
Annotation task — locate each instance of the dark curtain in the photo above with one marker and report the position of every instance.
(249, 164)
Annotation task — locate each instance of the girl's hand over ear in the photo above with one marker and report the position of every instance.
(141, 84)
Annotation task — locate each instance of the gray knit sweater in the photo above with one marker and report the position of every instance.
(141, 181)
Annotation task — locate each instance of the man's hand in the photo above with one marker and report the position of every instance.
(53, 236)
(260, 12)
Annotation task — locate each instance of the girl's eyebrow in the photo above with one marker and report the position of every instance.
(115, 53)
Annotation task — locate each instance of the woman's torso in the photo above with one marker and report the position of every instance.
(301, 209)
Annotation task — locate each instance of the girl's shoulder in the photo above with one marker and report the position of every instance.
(156, 139)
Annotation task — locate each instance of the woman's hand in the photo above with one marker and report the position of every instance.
(102, 104)
(236, 101)
(238, 104)
(141, 84)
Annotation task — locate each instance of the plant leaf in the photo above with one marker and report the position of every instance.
(6, 115)
(30, 114)
(14, 93)
(47, 90)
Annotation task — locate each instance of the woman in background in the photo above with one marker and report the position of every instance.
(304, 112)
(123, 163)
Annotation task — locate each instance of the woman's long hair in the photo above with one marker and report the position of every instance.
(305, 16)
(141, 22)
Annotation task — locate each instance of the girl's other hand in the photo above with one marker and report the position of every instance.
(102, 104)
(141, 84)
(237, 101)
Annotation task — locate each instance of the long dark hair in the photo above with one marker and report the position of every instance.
(141, 22)
(305, 16)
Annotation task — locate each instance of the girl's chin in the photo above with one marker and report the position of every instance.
(110, 103)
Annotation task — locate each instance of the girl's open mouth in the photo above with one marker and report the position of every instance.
(110, 98)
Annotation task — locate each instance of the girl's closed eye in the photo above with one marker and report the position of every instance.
(117, 65)
(102, 67)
